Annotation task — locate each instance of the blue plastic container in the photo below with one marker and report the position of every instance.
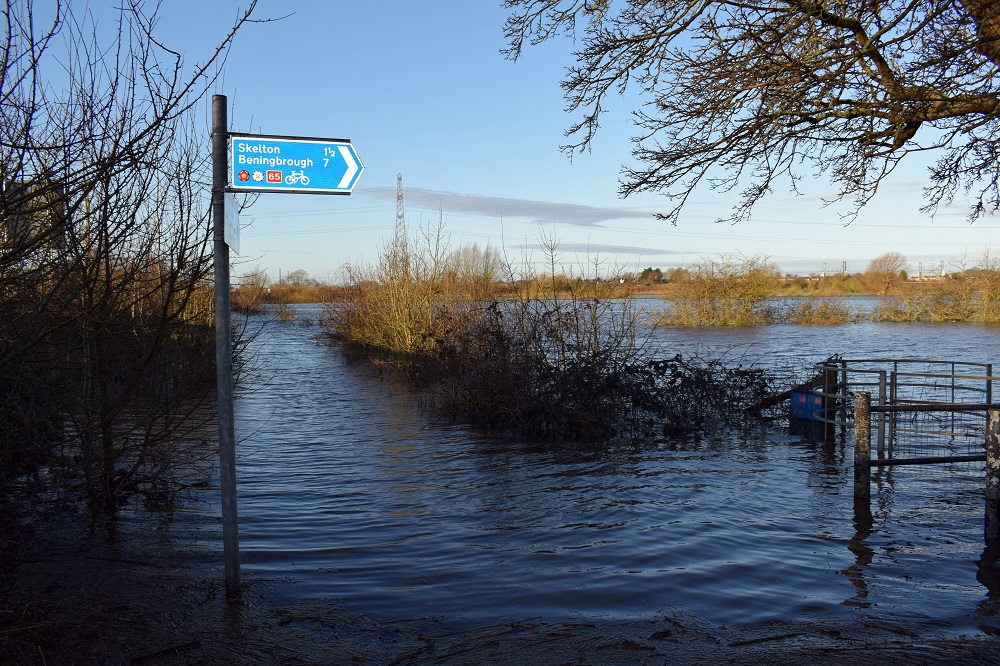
(806, 406)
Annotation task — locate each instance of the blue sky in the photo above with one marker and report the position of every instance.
(422, 90)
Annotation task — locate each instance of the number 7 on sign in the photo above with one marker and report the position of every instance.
(329, 153)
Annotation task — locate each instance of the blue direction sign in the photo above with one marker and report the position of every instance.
(267, 163)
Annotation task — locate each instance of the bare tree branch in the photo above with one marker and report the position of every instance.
(744, 94)
(106, 338)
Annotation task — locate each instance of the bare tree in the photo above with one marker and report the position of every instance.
(474, 270)
(106, 340)
(743, 94)
(884, 270)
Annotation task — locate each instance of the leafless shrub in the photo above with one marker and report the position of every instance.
(555, 358)
(821, 311)
(729, 290)
(106, 337)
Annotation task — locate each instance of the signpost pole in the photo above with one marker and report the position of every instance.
(261, 163)
(224, 348)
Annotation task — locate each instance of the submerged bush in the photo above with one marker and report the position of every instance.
(554, 358)
(822, 311)
(503, 380)
(411, 299)
(910, 308)
(248, 296)
(550, 369)
(726, 291)
(951, 301)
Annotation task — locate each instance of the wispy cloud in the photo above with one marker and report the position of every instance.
(833, 196)
(595, 250)
(542, 211)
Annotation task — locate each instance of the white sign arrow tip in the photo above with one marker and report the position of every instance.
(352, 167)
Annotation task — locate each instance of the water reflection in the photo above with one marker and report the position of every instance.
(988, 575)
(864, 524)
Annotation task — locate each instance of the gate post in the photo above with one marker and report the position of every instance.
(830, 400)
(992, 522)
(862, 448)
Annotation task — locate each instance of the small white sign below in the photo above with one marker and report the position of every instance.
(232, 224)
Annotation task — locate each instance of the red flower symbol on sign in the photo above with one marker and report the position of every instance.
(244, 175)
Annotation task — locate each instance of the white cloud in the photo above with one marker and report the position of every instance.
(595, 250)
(546, 212)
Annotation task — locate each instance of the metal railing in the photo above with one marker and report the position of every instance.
(945, 387)
(863, 463)
(922, 412)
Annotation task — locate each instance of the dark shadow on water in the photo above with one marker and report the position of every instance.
(988, 575)
(863, 555)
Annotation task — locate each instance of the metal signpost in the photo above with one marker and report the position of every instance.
(260, 163)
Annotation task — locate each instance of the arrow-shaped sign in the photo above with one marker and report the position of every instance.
(267, 163)
(352, 167)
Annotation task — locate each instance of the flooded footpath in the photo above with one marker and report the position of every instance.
(349, 493)
(369, 534)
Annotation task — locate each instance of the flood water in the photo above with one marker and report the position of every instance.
(348, 492)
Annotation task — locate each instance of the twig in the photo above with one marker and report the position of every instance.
(166, 652)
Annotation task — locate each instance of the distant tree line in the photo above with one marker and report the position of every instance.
(571, 357)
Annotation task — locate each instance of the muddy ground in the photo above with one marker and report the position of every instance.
(73, 596)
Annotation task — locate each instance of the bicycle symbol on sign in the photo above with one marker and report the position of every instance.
(297, 177)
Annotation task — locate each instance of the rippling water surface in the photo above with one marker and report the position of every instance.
(347, 492)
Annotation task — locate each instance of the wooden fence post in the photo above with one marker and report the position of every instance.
(862, 448)
(992, 522)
